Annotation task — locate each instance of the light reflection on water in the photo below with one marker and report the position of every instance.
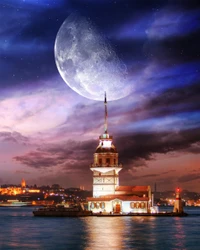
(179, 234)
(105, 233)
(19, 229)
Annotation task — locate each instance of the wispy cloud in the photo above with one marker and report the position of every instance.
(68, 155)
(22, 172)
(189, 177)
(15, 137)
(172, 22)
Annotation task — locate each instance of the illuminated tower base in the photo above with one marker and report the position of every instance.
(105, 168)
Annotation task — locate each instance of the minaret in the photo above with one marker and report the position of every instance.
(105, 167)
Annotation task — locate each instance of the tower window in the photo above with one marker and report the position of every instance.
(108, 160)
(114, 161)
(100, 161)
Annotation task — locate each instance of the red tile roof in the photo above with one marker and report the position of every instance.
(132, 188)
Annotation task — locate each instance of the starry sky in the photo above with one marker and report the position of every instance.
(48, 132)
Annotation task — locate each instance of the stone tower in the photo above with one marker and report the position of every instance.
(178, 206)
(105, 166)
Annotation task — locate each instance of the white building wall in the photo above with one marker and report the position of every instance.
(99, 190)
(126, 207)
(109, 206)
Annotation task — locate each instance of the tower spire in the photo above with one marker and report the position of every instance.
(106, 116)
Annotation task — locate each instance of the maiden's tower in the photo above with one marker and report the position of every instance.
(108, 195)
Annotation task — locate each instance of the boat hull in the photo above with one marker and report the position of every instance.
(62, 211)
(61, 214)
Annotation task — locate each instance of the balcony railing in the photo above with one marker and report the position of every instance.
(105, 165)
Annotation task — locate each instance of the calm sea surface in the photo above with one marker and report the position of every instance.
(19, 229)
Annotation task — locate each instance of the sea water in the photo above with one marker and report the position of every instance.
(19, 229)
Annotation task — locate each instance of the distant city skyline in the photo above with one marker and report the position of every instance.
(48, 132)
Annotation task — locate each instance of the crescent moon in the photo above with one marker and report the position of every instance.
(87, 62)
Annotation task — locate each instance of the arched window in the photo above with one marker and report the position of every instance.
(142, 205)
(132, 204)
(102, 205)
(108, 161)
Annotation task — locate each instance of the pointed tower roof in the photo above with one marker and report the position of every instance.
(106, 116)
(105, 135)
(105, 140)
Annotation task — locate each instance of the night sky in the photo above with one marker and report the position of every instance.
(48, 132)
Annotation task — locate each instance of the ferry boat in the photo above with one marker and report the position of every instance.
(62, 211)
(15, 203)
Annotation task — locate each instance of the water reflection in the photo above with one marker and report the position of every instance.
(20, 230)
(105, 233)
(179, 235)
(15, 230)
(120, 232)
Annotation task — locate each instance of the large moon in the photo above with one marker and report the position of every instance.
(87, 62)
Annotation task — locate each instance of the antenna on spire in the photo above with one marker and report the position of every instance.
(106, 116)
